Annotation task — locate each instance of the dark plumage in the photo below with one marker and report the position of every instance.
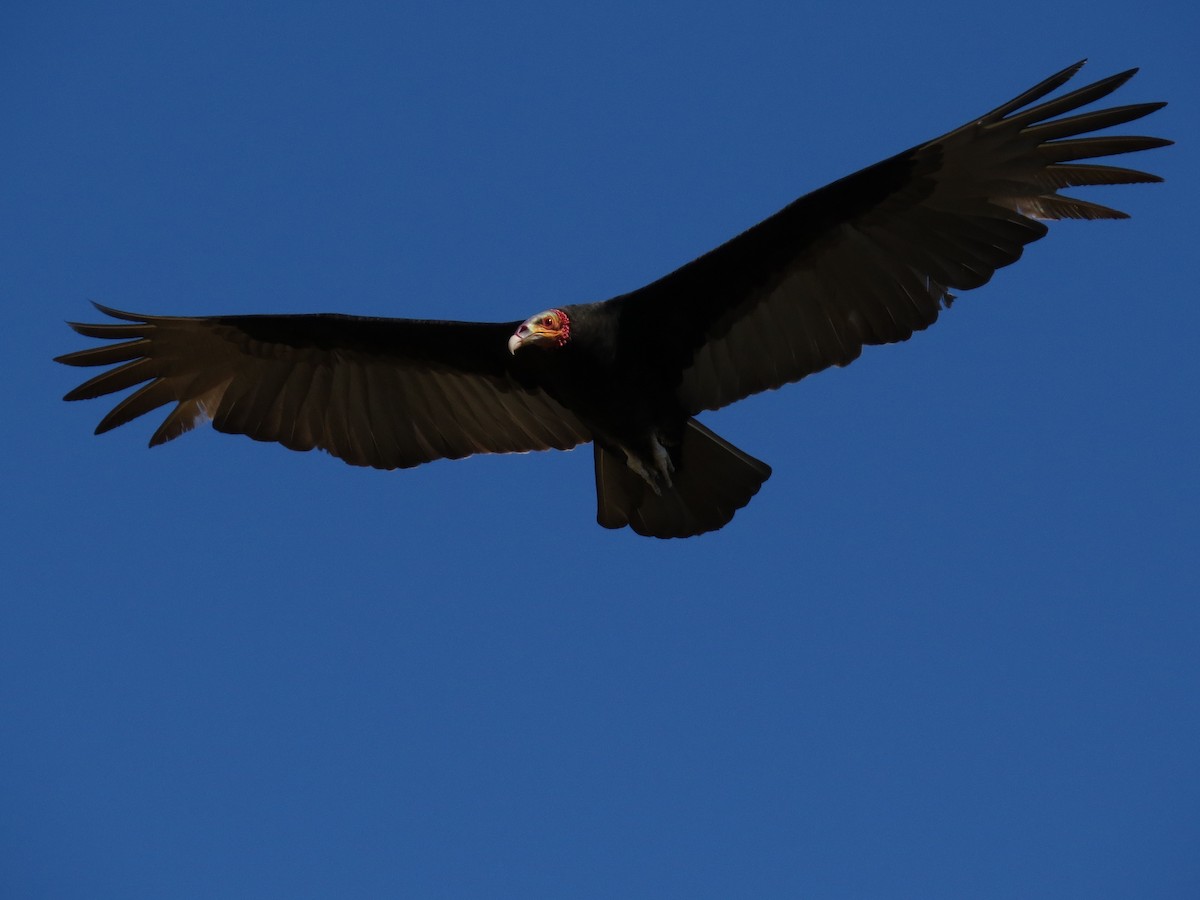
(868, 259)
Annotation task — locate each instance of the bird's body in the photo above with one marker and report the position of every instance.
(627, 410)
(869, 259)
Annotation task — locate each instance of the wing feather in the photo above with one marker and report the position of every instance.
(388, 393)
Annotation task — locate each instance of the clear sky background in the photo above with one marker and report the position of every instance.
(950, 650)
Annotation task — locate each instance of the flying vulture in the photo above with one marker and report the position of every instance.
(868, 259)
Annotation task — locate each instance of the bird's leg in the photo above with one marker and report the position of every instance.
(662, 459)
(658, 474)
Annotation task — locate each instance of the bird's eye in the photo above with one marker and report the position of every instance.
(548, 321)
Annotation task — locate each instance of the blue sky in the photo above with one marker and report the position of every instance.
(950, 650)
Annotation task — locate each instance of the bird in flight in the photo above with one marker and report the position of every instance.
(868, 259)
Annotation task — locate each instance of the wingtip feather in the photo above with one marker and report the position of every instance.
(115, 313)
(1039, 90)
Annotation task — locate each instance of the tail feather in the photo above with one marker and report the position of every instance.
(713, 479)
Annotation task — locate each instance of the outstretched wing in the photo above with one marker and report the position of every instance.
(872, 258)
(388, 393)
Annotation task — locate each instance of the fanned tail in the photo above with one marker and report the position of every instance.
(712, 481)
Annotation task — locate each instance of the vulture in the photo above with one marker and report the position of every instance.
(868, 259)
